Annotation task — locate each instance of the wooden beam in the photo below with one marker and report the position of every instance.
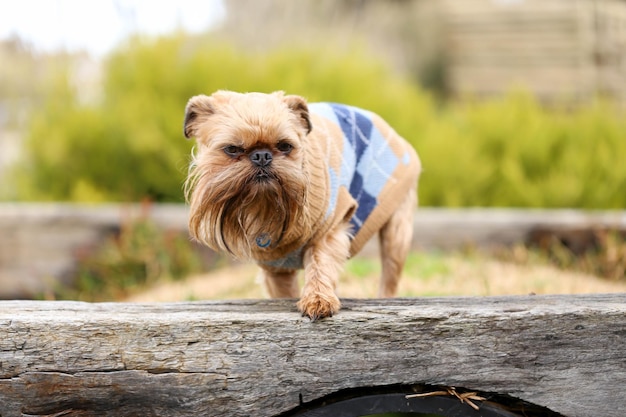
(242, 358)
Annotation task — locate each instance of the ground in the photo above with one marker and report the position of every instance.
(425, 274)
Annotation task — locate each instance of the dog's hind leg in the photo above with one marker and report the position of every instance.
(395, 241)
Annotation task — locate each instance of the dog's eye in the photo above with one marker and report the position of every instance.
(233, 151)
(284, 147)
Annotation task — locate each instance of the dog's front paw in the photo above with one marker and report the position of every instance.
(318, 306)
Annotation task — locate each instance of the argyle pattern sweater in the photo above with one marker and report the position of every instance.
(361, 171)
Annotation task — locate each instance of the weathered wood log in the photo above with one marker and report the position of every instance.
(243, 358)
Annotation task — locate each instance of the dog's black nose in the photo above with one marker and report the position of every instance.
(261, 157)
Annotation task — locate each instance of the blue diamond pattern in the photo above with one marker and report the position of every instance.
(366, 148)
(367, 160)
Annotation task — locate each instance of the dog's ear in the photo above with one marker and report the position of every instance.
(198, 108)
(298, 105)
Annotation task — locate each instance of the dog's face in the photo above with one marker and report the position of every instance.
(247, 181)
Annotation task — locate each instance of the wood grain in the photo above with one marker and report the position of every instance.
(242, 358)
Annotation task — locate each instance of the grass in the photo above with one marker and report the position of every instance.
(425, 274)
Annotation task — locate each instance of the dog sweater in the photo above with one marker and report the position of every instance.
(361, 171)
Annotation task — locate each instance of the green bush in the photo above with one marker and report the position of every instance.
(139, 256)
(514, 152)
(128, 146)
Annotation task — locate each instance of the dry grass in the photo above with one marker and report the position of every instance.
(425, 274)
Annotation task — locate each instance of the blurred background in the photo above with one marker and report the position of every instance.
(510, 104)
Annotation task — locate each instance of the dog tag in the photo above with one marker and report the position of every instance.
(263, 240)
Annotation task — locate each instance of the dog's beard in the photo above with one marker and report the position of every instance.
(246, 212)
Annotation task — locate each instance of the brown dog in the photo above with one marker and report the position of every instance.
(293, 185)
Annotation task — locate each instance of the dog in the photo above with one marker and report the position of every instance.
(292, 185)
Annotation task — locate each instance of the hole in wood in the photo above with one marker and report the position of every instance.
(417, 401)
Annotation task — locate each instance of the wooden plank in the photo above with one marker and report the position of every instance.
(468, 78)
(495, 23)
(518, 49)
(541, 7)
(577, 35)
(521, 58)
(557, 82)
(242, 358)
(515, 39)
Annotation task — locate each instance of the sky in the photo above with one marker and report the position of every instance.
(99, 25)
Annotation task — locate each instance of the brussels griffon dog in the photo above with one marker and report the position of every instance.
(292, 186)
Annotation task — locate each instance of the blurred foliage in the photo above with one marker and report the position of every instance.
(128, 145)
(139, 256)
(599, 252)
(514, 152)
